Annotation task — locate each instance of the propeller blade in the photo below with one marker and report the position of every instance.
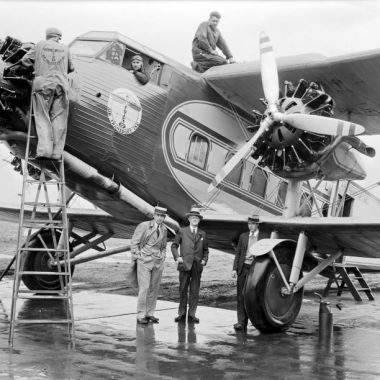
(269, 74)
(234, 161)
(322, 125)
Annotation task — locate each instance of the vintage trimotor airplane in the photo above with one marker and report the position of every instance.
(130, 146)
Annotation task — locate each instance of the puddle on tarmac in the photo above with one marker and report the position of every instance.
(109, 345)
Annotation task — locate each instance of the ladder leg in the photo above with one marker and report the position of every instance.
(56, 249)
(349, 284)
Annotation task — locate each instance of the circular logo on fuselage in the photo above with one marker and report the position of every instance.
(124, 111)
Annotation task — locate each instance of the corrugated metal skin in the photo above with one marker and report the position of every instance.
(116, 153)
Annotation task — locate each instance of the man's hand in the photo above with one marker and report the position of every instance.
(233, 274)
(179, 260)
(231, 60)
(203, 262)
(214, 52)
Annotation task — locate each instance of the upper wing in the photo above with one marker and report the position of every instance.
(355, 236)
(352, 81)
(84, 219)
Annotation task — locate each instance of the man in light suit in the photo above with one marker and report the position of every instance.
(242, 263)
(192, 258)
(148, 247)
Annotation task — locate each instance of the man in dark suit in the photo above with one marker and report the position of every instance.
(192, 258)
(243, 260)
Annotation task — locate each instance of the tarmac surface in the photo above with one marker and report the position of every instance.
(109, 344)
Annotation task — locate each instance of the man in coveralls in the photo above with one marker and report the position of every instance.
(207, 38)
(52, 62)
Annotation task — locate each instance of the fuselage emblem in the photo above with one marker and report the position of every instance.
(124, 111)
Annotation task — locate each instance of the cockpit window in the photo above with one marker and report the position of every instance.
(87, 48)
(114, 54)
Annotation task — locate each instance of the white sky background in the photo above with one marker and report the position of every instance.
(295, 27)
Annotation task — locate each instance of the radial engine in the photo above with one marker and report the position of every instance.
(285, 149)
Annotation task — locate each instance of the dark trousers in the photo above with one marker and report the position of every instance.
(192, 278)
(241, 313)
(207, 60)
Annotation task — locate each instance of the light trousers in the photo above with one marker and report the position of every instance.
(149, 279)
(51, 109)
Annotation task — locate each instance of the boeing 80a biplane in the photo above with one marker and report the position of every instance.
(229, 140)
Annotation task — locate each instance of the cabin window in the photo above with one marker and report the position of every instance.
(247, 175)
(198, 151)
(308, 207)
(235, 175)
(325, 209)
(281, 194)
(216, 158)
(181, 140)
(87, 48)
(259, 182)
(347, 208)
(114, 54)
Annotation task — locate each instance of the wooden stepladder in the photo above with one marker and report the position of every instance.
(349, 278)
(43, 226)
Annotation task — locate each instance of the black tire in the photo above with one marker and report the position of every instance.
(269, 310)
(39, 261)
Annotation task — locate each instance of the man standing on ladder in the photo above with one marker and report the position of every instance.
(50, 101)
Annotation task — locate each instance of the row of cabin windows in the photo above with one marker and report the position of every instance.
(211, 158)
(248, 176)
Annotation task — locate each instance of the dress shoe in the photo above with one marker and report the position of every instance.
(191, 319)
(180, 318)
(240, 327)
(152, 319)
(142, 321)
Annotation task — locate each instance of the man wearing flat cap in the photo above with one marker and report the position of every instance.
(243, 261)
(207, 38)
(137, 68)
(148, 247)
(191, 258)
(51, 62)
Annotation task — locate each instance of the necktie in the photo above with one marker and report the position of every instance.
(158, 231)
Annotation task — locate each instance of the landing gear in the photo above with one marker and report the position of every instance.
(269, 305)
(41, 261)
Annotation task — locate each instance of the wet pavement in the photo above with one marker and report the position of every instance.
(109, 344)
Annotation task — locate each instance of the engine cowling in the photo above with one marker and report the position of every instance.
(288, 151)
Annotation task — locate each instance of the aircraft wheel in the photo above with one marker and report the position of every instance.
(40, 261)
(268, 307)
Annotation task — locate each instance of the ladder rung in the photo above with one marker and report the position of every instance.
(41, 291)
(52, 221)
(42, 297)
(25, 321)
(363, 289)
(39, 226)
(44, 204)
(44, 249)
(45, 273)
(46, 182)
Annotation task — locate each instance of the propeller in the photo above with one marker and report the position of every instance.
(320, 124)
(269, 78)
(309, 123)
(269, 73)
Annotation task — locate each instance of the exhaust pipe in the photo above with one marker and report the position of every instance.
(360, 146)
(88, 172)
